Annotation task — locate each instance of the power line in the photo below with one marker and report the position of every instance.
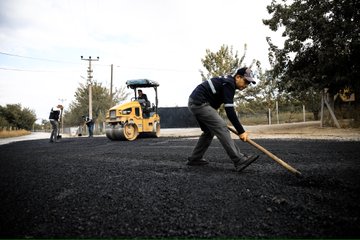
(128, 68)
(99, 65)
(45, 59)
(29, 70)
(34, 58)
(157, 69)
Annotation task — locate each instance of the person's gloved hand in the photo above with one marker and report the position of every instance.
(244, 136)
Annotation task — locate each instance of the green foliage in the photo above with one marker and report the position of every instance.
(13, 115)
(322, 46)
(321, 50)
(3, 121)
(222, 62)
(261, 97)
(225, 62)
(101, 103)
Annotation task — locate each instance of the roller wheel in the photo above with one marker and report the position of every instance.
(118, 132)
(129, 132)
(157, 130)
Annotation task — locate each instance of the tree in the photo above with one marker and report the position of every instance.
(225, 62)
(311, 99)
(322, 46)
(222, 62)
(27, 119)
(18, 117)
(263, 95)
(3, 122)
(100, 103)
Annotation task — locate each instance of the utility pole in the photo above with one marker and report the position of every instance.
(111, 83)
(90, 82)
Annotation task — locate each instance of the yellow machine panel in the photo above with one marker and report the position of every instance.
(129, 120)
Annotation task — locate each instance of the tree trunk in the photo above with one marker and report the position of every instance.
(316, 115)
(328, 117)
(356, 113)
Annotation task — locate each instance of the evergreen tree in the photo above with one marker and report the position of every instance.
(17, 117)
(101, 103)
(225, 62)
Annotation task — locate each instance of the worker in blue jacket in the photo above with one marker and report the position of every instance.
(204, 101)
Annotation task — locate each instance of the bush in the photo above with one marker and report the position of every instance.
(13, 133)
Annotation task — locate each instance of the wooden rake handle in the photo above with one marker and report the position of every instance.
(272, 156)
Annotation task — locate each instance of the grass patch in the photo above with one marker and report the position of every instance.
(286, 117)
(14, 133)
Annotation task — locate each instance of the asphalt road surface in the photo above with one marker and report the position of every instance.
(96, 188)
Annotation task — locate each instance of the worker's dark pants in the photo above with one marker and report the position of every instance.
(212, 124)
(55, 129)
(91, 129)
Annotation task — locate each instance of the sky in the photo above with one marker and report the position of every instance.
(41, 42)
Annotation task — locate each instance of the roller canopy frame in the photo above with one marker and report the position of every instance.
(141, 83)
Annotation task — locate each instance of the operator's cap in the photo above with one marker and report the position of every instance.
(247, 74)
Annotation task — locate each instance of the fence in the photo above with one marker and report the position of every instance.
(8, 128)
(285, 114)
(181, 117)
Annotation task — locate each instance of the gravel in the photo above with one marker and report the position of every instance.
(97, 188)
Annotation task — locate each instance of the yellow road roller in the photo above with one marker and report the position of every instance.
(136, 118)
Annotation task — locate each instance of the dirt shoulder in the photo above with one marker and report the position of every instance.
(304, 130)
(307, 130)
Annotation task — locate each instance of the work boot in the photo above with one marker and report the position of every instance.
(197, 162)
(245, 162)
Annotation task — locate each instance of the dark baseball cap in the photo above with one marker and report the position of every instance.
(247, 74)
